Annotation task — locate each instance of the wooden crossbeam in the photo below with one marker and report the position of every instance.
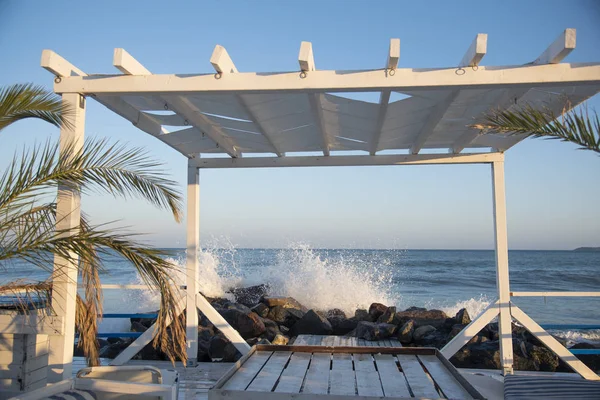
(223, 64)
(476, 52)
(306, 60)
(559, 49)
(384, 97)
(178, 104)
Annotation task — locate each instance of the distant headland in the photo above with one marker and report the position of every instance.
(587, 249)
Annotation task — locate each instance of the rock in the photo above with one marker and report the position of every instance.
(284, 329)
(388, 317)
(422, 317)
(217, 345)
(543, 359)
(421, 331)
(205, 333)
(285, 316)
(437, 339)
(238, 307)
(456, 329)
(147, 322)
(271, 329)
(113, 340)
(311, 324)
(280, 340)
(342, 326)
(250, 296)
(261, 309)
(113, 350)
(230, 353)
(335, 313)
(362, 315)
(376, 310)
(405, 334)
(591, 360)
(374, 331)
(248, 324)
(138, 327)
(285, 302)
(481, 356)
(462, 317)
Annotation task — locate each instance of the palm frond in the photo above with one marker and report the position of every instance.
(575, 126)
(20, 101)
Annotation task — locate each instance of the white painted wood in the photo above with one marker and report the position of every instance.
(342, 380)
(404, 79)
(165, 392)
(58, 66)
(317, 376)
(475, 52)
(317, 112)
(246, 373)
(47, 391)
(222, 325)
(128, 65)
(111, 286)
(223, 64)
(192, 252)
(554, 345)
(145, 338)
(64, 274)
(268, 376)
(437, 113)
(292, 377)
(306, 57)
(472, 329)
(445, 380)
(418, 380)
(559, 49)
(341, 161)
(392, 380)
(367, 377)
(501, 254)
(32, 324)
(393, 54)
(555, 294)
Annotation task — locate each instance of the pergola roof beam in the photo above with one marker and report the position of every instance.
(471, 58)
(554, 54)
(123, 61)
(559, 49)
(223, 64)
(384, 96)
(306, 60)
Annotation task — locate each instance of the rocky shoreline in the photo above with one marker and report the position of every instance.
(278, 320)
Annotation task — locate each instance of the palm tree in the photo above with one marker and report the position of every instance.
(575, 126)
(28, 217)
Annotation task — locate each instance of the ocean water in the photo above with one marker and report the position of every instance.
(348, 279)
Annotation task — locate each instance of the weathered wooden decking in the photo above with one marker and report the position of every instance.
(344, 341)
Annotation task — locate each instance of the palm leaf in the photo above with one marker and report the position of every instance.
(26, 100)
(575, 126)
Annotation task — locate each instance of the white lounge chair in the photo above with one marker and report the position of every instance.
(112, 383)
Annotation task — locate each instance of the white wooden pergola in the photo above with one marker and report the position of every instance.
(276, 117)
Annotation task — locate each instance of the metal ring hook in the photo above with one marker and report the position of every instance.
(475, 67)
(218, 75)
(460, 71)
(303, 74)
(57, 79)
(392, 72)
(166, 106)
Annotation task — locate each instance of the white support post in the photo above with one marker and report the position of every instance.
(64, 276)
(191, 252)
(502, 278)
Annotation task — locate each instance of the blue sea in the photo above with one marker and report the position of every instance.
(350, 279)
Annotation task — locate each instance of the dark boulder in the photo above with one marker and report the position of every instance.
(437, 339)
(217, 345)
(271, 330)
(421, 331)
(374, 331)
(422, 317)
(247, 323)
(230, 353)
(376, 310)
(138, 327)
(311, 324)
(147, 322)
(388, 317)
(285, 316)
(362, 315)
(482, 356)
(591, 360)
(462, 317)
(456, 329)
(342, 326)
(261, 309)
(405, 333)
(285, 302)
(335, 313)
(250, 296)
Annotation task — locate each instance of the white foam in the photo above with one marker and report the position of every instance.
(584, 336)
(474, 306)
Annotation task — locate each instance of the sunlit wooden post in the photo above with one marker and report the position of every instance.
(192, 251)
(64, 276)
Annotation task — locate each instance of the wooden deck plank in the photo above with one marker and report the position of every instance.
(392, 380)
(419, 382)
(451, 388)
(293, 375)
(317, 376)
(367, 378)
(342, 380)
(270, 372)
(248, 371)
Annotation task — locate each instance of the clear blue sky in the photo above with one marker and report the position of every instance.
(552, 189)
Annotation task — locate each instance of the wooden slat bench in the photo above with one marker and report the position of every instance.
(321, 372)
(330, 340)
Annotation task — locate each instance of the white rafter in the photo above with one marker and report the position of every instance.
(384, 96)
(306, 60)
(476, 51)
(223, 64)
(123, 61)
